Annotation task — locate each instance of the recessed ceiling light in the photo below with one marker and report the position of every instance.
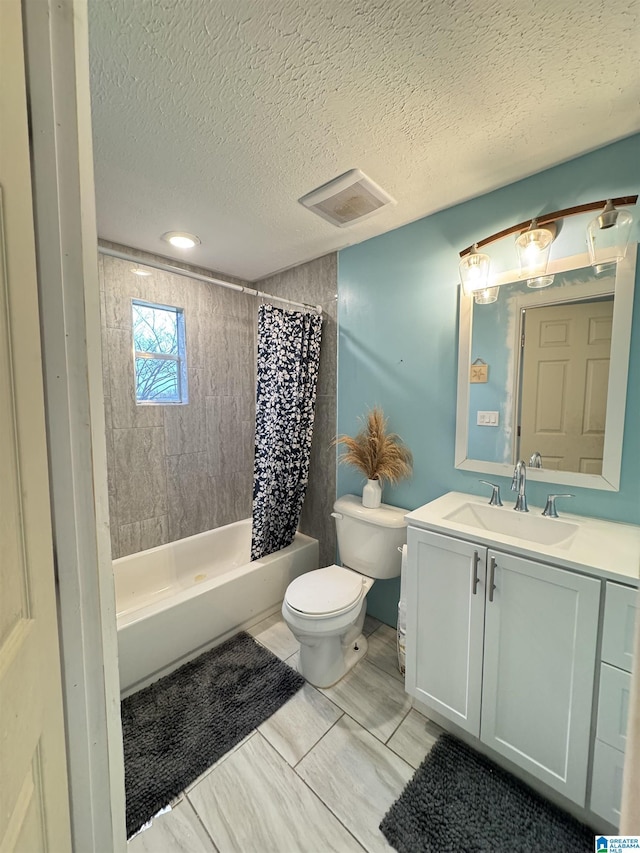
(139, 271)
(181, 239)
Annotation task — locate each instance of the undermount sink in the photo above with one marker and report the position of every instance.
(508, 522)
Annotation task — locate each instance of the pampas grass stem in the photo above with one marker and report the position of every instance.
(379, 455)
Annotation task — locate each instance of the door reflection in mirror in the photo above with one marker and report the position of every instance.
(565, 378)
(548, 353)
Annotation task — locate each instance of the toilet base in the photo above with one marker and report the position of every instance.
(325, 663)
(355, 652)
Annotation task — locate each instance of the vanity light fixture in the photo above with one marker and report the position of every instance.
(533, 247)
(181, 239)
(474, 271)
(607, 236)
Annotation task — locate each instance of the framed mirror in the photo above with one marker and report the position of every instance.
(542, 375)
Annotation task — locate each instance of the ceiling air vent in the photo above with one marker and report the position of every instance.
(350, 198)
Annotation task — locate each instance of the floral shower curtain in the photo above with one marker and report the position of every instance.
(288, 359)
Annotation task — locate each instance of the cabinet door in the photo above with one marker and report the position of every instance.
(539, 665)
(445, 621)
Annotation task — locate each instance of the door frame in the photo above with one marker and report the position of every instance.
(57, 69)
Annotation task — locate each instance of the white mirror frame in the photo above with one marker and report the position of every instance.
(609, 480)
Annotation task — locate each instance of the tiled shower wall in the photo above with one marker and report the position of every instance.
(316, 283)
(178, 470)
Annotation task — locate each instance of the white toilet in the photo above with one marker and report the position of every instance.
(325, 609)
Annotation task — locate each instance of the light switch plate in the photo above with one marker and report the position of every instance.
(488, 419)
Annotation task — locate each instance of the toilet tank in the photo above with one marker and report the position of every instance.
(368, 539)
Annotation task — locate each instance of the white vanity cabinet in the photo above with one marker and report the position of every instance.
(505, 647)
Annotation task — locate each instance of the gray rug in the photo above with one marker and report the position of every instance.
(460, 802)
(179, 726)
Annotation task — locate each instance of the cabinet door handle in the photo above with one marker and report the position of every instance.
(492, 576)
(475, 579)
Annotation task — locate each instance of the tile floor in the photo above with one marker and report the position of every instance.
(318, 776)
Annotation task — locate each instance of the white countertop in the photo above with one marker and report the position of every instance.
(607, 549)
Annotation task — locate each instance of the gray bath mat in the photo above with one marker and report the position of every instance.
(179, 726)
(460, 802)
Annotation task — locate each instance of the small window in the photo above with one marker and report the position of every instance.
(159, 353)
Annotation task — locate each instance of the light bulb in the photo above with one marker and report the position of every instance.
(181, 239)
(533, 247)
(474, 271)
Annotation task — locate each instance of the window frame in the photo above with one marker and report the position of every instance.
(180, 358)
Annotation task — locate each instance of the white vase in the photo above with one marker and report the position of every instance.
(372, 494)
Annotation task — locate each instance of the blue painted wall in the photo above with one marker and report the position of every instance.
(397, 315)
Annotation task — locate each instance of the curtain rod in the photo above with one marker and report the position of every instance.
(159, 265)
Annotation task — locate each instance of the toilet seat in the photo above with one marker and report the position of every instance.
(326, 592)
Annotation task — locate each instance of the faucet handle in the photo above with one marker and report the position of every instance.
(495, 494)
(550, 507)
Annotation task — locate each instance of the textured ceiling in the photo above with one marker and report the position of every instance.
(215, 117)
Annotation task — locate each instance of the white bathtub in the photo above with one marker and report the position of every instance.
(179, 599)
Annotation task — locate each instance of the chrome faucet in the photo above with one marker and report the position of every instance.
(518, 484)
(536, 460)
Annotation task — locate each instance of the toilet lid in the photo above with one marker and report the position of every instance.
(324, 591)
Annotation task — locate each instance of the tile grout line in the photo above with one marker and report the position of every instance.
(224, 821)
(326, 805)
(319, 798)
(187, 797)
(402, 758)
(377, 666)
(398, 726)
(364, 728)
(335, 702)
(377, 628)
(311, 748)
(217, 763)
(383, 743)
(202, 824)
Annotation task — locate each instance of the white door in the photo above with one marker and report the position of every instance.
(445, 621)
(539, 666)
(34, 809)
(565, 380)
